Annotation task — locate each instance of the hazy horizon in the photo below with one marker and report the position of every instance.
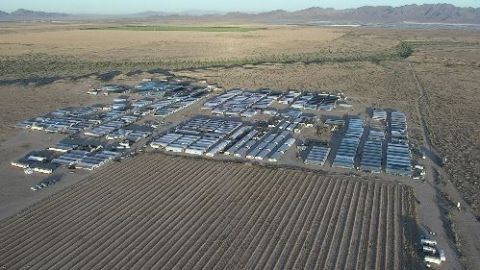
(129, 7)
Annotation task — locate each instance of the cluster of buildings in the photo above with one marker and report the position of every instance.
(215, 136)
(199, 136)
(100, 133)
(238, 103)
(268, 147)
(178, 101)
(347, 150)
(37, 161)
(108, 127)
(317, 155)
(68, 120)
(293, 122)
(109, 89)
(372, 154)
(86, 160)
(132, 134)
(145, 86)
(399, 156)
(160, 98)
(379, 146)
(65, 153)
(315, 101)
(431, 253)
(228, 135)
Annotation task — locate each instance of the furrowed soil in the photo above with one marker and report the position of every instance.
(156, 211)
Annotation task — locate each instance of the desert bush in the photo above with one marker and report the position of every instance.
(405, 50)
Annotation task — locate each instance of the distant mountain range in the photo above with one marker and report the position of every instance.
(433, 13)
(25, 14)
(428, 13)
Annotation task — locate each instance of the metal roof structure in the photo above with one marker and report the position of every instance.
(399, 157)
(346, 152)
(317, 155)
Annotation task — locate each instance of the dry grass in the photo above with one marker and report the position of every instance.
(124, 45)
(67, 51)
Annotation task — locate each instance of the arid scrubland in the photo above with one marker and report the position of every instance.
(75, 51)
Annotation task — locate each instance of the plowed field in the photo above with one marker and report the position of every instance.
(160, 212)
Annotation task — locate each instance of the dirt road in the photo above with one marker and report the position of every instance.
(430, 198)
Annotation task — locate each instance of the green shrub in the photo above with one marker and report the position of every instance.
(405, 50)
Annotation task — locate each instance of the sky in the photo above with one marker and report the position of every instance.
(133, 6)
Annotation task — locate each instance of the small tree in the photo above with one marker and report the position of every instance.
(405, 50)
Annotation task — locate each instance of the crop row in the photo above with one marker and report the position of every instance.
(159, 212)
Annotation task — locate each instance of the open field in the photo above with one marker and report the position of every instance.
(69, 51)
(163, 212)
(141, 46)
(179, 28)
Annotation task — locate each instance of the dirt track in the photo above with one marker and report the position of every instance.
(467, 224)
(173, 213)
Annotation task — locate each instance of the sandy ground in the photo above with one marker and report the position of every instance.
(21, 102)
(15, 194)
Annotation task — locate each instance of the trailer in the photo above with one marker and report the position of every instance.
(428, 242)
(433, 259)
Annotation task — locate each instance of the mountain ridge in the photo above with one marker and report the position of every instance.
(445, 13)
(25, 14)
(426, 13)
